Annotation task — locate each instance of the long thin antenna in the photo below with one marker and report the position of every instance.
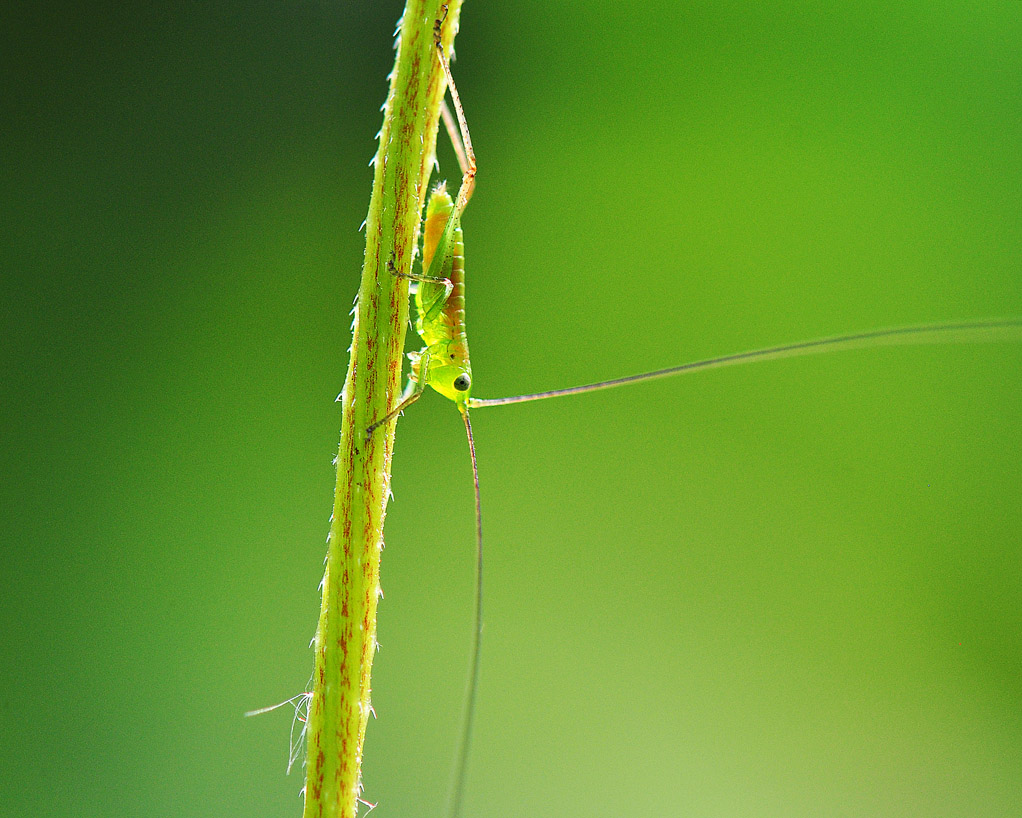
(965, 332)
(461, 760)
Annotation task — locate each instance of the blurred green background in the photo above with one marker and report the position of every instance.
(788, 589)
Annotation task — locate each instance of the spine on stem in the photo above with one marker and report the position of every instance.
(346, 635)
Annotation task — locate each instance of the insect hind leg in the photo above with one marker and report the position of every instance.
(466, 156)
(451, 125)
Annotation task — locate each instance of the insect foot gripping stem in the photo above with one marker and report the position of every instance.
(418, 378)
(393, 413)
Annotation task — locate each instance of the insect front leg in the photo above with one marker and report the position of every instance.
(466, 156)
(417, 380)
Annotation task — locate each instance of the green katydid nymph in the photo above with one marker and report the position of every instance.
(443, 362)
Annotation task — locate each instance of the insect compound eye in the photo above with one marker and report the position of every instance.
(462, 383)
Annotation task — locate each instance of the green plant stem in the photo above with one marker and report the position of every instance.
(346, 635)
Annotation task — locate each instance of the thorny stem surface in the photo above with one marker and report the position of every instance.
(346, 635)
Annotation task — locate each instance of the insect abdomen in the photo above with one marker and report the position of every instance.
(449, 323)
